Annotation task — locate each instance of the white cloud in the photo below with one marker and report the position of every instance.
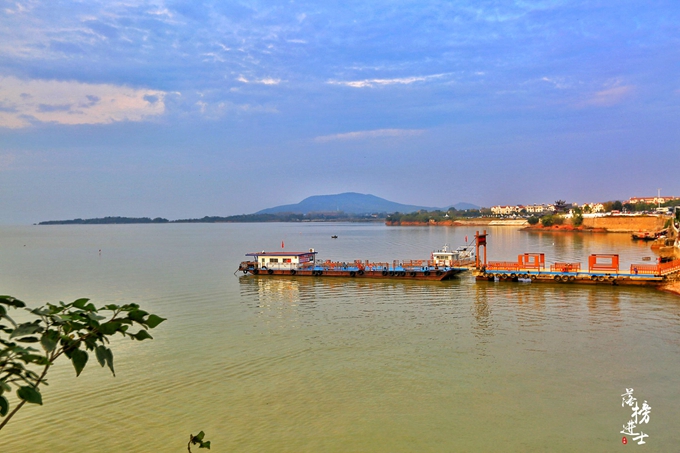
(370, 83)
(362, 135)
(23, 102)
(269, 81)
(265, 81)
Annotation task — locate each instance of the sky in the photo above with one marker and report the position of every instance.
(182, 109)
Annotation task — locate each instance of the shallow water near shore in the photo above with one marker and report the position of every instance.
(340, 365)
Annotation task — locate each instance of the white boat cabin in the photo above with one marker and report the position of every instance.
(447, 257)
(286, 260)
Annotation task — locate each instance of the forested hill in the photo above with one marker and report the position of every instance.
(353, 203)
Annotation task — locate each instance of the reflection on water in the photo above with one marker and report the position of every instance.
(295, 364)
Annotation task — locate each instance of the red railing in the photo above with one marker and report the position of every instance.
(502, 266)
(603, 263)
(565, 267)
(669, 267)
(644, 269)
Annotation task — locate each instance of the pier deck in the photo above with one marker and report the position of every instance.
(602, 269)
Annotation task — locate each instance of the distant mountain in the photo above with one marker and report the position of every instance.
(350, 203)
(465, 206)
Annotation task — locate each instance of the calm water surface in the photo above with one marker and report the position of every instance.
(316, 365)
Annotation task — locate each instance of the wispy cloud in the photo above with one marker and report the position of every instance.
(610, 96)
(370, 83)
(50, 101)
(363, 135)
(558, 82)
(263, 81)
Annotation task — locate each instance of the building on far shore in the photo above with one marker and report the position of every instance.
(587, 208)
(592, 207)
(517, 209)
(651, 200)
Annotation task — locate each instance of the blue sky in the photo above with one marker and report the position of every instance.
(189, 108)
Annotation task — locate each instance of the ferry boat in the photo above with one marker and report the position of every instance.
(443, 264)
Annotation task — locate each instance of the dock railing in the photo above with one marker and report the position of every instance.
(669, 267)
(603, 263)
(502, 266)
(655, 269)
(644, 269)
(565, 267)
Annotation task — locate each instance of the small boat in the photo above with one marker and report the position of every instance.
(649, 235)
(644, 236)
(334, 237)
(443, 265)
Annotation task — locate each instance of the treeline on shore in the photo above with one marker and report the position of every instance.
(105, 220)
(436, 216)
(243, 218)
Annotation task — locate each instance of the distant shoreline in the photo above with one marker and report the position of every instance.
(265, 218)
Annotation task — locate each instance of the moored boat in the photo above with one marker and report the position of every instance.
(648, 235)
(443, 265)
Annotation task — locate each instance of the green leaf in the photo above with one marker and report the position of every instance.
(26, 329)
(4, 406)
(49, 340)
(109, 328)
(100, 351)
(40, 311)
(11, 301)
(79, 359)
(109, 361)
(137, 315)
(30, 395)
(141, 335)
(153, 320)
(80, 303)
(198, 439)
(94, 316)
(3, 311)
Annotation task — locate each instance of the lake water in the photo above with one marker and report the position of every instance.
(342, 365)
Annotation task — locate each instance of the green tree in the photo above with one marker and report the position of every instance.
(69, 330)
(533, 220)
(577, 217)
(547, 220)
